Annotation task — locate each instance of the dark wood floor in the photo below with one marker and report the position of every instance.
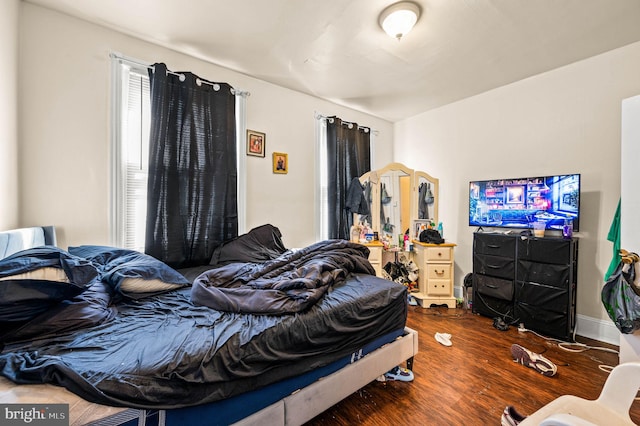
(472, 381)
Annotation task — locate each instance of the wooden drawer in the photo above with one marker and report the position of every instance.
(375, 255)
(439, 271)
(439, 287)
(438, 253)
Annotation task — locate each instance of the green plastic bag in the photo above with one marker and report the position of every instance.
(620, 299)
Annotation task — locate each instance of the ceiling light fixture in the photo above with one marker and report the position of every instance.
(399, 18)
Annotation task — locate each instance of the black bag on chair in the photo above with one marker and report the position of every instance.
(621, 301)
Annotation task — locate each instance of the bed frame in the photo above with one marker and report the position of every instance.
(294, 409)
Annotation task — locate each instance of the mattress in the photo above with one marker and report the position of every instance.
(236, 408)
(163, 352)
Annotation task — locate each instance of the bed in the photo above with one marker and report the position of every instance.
(274, 338)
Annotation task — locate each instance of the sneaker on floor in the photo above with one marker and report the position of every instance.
(399, 373)
(510, 417)
(533, 360)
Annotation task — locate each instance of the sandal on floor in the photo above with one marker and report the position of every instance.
(443, 338)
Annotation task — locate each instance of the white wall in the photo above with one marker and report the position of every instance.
(64, 126)
(9, 12)
(629, 224)
(563, 121)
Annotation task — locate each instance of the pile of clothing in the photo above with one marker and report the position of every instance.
(403, 271)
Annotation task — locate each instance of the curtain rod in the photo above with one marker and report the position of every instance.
(182, 77)
(330, 120)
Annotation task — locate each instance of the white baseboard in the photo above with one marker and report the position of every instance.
(597, 329)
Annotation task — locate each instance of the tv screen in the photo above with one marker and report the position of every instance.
(517, 203)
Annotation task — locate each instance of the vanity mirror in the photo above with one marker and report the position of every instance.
(426, 200)
(399, 197)
(402, 199)
(395, 200)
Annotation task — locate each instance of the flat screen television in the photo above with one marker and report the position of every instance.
(517, 203)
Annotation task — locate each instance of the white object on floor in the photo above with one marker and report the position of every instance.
(611, 407)
(443, 338)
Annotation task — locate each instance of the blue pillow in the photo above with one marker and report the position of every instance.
(32, 280)
(131, 273)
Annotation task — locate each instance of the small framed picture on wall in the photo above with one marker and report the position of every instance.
(280, 163)
(256, 142)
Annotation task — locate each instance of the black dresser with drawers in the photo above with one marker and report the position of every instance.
(527, 280)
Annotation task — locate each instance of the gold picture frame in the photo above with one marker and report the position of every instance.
(256, 142)
(280, 163)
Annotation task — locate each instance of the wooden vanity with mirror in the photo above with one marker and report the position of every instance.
(400, 200)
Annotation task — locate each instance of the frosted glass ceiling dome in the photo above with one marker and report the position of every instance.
(399, 18)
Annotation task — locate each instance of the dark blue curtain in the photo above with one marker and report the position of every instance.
(348, 157)
(192, 189)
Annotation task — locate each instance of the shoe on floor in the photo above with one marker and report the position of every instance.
(443, 338)
(510, 417)
(399, 373)
(533, 360)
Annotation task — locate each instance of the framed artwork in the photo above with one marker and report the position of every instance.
(256, 142)
(280, 162)
(419, 225)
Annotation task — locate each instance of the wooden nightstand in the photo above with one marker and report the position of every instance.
(435, 282)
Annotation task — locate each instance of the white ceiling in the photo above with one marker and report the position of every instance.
(335, 50)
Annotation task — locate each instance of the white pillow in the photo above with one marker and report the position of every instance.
(47, 273)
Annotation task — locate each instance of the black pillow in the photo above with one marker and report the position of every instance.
(131, 273)
(32, 280)
(259, 245)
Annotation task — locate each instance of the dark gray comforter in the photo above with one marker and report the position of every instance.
(291, 283)
(164, 352)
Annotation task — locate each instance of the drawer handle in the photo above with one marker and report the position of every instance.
(439, 254)
(493, 246)
(493, 266)
(492, 286)
(439, 273)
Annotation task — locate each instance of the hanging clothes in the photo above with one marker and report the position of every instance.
(423, 206)
(368, 196)
(356, 202)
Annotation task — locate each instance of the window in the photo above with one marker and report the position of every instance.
(322, 212)
(130, 153)
(322, 187)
